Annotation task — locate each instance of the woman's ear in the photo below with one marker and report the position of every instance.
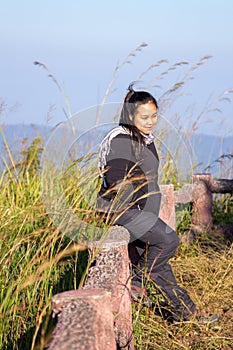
(130, 117)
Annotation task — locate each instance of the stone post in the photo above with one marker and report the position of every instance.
(111, 272)
(202, 201)
(167, 209)
(85, 321)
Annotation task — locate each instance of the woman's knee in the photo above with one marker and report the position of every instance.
(172, 241)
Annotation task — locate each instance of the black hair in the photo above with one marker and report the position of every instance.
(132, 100)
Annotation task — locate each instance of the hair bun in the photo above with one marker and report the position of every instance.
(130, 87)
(131, 91)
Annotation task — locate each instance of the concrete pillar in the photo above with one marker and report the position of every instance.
(202, 201)
(111, 272)
(85, 321)
(167, 209)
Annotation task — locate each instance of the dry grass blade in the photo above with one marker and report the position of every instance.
(38, 260)
(127, 60)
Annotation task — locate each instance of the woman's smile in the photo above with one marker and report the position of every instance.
(146, 117)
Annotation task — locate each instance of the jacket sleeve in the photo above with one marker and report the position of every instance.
(122, 165)
(116, 184)
(119, 160)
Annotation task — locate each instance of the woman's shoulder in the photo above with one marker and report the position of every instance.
(122, 136)
(116, 144)
(117, 133)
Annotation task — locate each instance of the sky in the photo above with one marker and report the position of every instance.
(80, 44)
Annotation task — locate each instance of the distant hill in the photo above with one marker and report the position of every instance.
(207, 149)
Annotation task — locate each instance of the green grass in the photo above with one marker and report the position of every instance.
(206, 274)
(38, 260)
(223, 209)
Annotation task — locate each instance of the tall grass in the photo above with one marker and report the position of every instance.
(38, 260)
(205, 270)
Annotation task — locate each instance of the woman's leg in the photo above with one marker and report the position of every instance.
(155, 247)
(159, 248)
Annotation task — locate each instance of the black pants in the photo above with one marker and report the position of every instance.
(152, 244)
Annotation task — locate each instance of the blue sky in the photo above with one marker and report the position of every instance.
(81, 43)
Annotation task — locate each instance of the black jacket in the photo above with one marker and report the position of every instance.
(128, 182)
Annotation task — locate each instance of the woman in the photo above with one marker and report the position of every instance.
(130, 191)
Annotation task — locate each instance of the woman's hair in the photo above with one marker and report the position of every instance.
(131, 102)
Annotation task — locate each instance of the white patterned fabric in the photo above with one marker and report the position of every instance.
(106, 143)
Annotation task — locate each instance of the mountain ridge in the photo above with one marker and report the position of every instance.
(208, 150)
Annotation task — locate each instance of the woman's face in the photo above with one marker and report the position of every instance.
(146, 117)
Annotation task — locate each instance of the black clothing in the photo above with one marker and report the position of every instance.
(153, 249)
(143, 191)
(153, 242)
